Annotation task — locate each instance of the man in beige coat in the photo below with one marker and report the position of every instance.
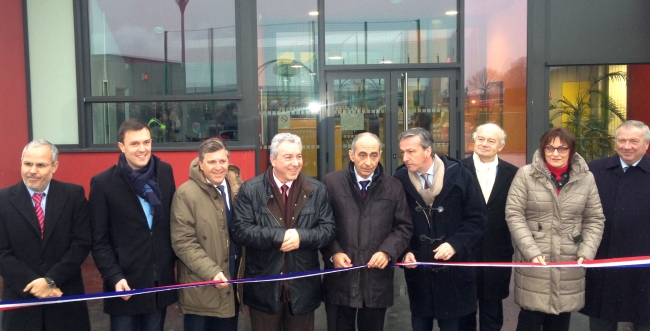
(200, 222)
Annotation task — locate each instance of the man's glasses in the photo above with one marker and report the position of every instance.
(38, 165)
(561, 150)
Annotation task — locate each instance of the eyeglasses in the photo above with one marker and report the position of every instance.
(561, 150)
(38, 165)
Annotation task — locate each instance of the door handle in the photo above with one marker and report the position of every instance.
(405, 101)
(394, 156)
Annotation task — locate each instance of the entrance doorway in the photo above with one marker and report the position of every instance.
(375, 101)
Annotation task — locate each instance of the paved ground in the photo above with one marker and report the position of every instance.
(397, 317)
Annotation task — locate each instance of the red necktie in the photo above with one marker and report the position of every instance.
(38, 197)
(285, 192)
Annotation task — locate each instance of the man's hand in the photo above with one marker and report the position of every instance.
(39, 288)
(122, 285)
(56, 293)
(539, 259)
(410, 258)
(444, 252)
(291, 241)
(378, 260)
(341, 260)
(580, 260)
(222, 278)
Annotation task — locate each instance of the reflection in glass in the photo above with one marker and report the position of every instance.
(141, 48)
(428, 108)
(385, 32)
(590, 101)
(288, 76)
(169, 122)
(358, 106)
(495, 72)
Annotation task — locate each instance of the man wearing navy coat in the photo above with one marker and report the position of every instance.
(44, 239)
(449, 216)
(615, 295)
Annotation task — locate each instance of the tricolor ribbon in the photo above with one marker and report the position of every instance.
(625, 262)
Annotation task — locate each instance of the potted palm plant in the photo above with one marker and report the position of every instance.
(588, 116)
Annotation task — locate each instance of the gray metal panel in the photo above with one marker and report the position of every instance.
(597, 31)
(537, 117)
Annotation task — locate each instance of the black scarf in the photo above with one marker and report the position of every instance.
(144, 183)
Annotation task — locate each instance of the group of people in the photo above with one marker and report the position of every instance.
(143, 233)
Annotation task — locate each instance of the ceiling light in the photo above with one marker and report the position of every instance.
(158, 29)
(451, 13)
(385, 62)
(313, 13)
(337, 57)
(296, 66)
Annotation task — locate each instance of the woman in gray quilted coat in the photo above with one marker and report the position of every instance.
(554, 215)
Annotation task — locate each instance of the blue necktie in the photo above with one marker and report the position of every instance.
(364, 184)
(222, 189)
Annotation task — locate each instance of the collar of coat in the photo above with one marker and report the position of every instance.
(577, 165)
(615, 161)
(233, 176)
(452, 177)
(375, 175)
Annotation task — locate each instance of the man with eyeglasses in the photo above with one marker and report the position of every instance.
(44, 239)
(129, 211)
(449, 217)
(622, 294)
(494, 176)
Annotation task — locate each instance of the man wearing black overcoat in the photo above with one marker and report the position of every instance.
(494, 177)
(615, 295)
(449, 216)
(44, 239)
(373, 228)
(130, 211)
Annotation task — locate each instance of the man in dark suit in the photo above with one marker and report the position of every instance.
(44, 239)
(129, 211)
(494, 177)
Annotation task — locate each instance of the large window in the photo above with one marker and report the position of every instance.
(287, 71)
(495, 72)
(385, 32)
(171, 64)
(590, 101)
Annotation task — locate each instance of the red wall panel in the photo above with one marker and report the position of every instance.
(13, 92)
(638, 98)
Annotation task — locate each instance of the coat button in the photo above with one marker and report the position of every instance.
(223, 227)
(41, 262)
(228, 293)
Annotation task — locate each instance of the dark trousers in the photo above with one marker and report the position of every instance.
(143, 322)
(534, 321)
(490, 316)
(342, 318)
(193, 322)
(282, 321)
(426, 323)
(599, 324)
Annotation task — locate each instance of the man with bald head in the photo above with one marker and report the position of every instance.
(494, 177)
(373, 228)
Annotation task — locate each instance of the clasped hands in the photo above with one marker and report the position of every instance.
(443, 252)
(291, 240)
(378, 260)
(41, 289)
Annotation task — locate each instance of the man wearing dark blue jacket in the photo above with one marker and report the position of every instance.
(449, 217)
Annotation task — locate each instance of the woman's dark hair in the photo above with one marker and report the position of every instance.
(566, 137)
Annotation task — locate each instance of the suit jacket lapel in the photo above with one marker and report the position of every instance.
(23, 203)
(56, 199)
(502, 175)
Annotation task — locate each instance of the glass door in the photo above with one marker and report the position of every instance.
(376, 101)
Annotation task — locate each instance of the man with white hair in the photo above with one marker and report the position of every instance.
(615, 295)
(283, 217)
(494, 176)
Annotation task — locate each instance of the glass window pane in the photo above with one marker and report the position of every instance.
(396, 31)
(161, 48)
(495, 72)
(288, 76)
(576, 98)
(169, 122)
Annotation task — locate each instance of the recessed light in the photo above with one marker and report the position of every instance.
(335, 57)
(451, 13)
(313, 13)
(296, 66)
